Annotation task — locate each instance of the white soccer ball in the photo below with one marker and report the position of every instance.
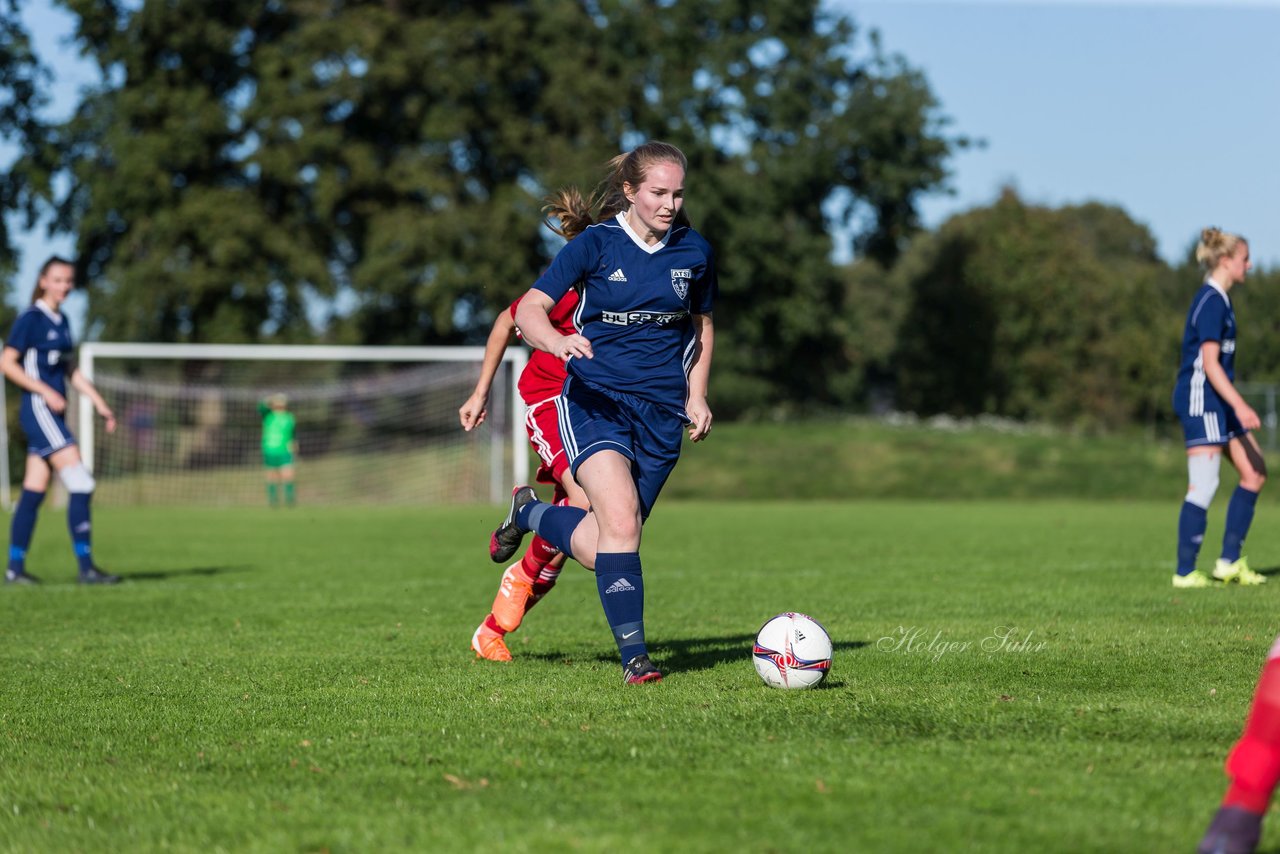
(792, 651)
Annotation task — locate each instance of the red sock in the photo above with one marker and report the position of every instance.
(539, 554)
(547, 578)
(1254, 762)
(492, 625)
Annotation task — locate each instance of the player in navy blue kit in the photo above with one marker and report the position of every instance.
(1214, 415)
(37, 358)
(638, 369)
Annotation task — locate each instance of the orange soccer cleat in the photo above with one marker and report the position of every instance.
(489, 645)
(512, 601)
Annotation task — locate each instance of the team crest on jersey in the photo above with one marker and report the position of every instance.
(680, 281)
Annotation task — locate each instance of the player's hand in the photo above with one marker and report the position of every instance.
(572, 347)
(472, 413)
(108, 416)
(1249, 419)
(56, 402)
(699, 418)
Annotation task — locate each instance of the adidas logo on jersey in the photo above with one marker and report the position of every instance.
(617, 276)
(619, 586)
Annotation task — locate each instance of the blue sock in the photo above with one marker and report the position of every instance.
(554, 524)
(1239, 518)
(1191, 524)
(622, 594)
(78, 523)
(24, 525)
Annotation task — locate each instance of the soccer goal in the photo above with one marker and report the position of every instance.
(374, 424)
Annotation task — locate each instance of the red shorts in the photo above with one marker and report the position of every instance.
(542, 421)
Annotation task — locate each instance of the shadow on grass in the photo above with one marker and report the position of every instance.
(686, 654)
(182, 573)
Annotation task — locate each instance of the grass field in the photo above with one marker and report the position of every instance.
(301, 681)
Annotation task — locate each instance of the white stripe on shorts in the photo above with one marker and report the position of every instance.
(569, 440)
(45, 418)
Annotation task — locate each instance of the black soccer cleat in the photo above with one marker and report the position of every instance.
(1234, 830)
(639, 670)
(94, 575)
(12, 576)
(509, 535)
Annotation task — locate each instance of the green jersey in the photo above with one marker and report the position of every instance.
(277, 429)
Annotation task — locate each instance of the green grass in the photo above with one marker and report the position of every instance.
(864, 458)
(300, 681)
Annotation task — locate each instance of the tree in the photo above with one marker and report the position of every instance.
(22, 95)
(386, 160)
(1036, 313)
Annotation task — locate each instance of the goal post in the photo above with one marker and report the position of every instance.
(375, 424)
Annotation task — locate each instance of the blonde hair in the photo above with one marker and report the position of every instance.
(572, 212)
(1216, 244)
(609, 199)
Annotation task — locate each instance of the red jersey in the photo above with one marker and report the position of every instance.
(543, 376)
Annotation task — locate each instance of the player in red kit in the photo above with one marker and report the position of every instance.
(529, 579)
(1254, 768)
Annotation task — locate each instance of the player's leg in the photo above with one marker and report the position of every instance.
(516, 597)
(80, 485)
(286, 478)
(35, 483)
(271, 473)
(549, 572)
(588, 421)
(1254, 768)
(527, 580)
(1205, 436)
(615, 506)
(656, 437)
(1246, 456)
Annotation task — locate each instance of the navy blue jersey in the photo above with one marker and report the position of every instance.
(1210, 318)
(42, 338)
(635, 307)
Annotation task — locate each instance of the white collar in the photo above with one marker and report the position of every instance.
(1217, 287)
(637, 239)
(53, 314)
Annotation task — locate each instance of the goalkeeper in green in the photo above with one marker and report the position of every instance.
(278, 448)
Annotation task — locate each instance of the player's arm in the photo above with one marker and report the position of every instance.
(696, 407)
(82, 384)
(533, 319)
(472, 413)
(1221, 383)
(16, 375)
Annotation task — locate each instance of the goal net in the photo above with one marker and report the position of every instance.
(373, 424)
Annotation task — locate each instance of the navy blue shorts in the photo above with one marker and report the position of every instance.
(595, 419)
(1214, 427)
(46, 431)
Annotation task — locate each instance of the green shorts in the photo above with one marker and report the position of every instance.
(277, 459)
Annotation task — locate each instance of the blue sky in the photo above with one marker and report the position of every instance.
(1168, 108)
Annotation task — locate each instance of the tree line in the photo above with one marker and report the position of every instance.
(372, 172)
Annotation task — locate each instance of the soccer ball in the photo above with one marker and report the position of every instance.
(792, 651)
